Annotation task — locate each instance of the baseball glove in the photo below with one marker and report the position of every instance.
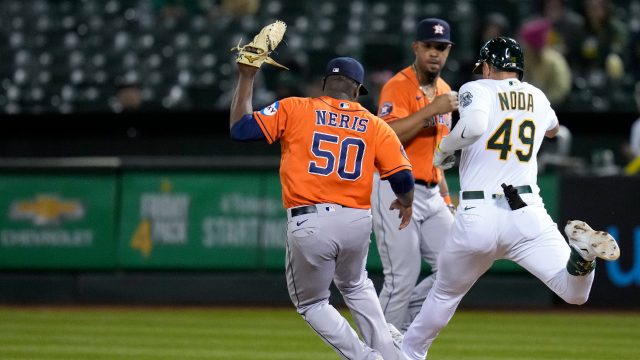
(443, 160)
(257, 52)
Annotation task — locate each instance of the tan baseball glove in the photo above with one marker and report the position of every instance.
(257, 52)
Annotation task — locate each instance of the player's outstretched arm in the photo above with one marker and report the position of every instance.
(250, 57)
(242, 101)
(470, 127)
(472, 124)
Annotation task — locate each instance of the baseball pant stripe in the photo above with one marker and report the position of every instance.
(381, 240)
(293, 280)
(325, 339)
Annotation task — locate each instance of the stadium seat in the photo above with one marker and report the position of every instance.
(84, 46)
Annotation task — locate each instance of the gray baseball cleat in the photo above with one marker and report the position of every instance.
(589, 243)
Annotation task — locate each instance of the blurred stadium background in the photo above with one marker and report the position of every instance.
(119, 185)
(70, 56)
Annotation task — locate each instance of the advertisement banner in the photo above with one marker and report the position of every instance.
(161, 220)
(57, 221)
(203, 220)
(274, 238)
(611, 204)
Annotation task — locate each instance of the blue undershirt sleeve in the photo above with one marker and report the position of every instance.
(401, 182)
(247, 129)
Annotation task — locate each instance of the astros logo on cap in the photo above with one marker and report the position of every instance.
(438, 29)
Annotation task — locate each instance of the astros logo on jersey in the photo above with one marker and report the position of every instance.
(385, 109)
(404, 153)
(271, 109)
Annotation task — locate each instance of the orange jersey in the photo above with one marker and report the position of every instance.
(330, 150)
(400, 97)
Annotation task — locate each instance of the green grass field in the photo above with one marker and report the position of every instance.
(256, 334)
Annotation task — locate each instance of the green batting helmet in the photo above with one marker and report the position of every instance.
(504, 53)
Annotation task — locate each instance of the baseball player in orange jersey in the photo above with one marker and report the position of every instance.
(417, 104)
(331, 147)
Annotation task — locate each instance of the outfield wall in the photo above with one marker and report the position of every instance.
(611, 204)
(124, 217)
(139, 230)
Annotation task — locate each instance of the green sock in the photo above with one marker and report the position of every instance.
(578, 266)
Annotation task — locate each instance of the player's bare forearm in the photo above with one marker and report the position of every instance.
(242, 101)
(407, 128)
(444, 192)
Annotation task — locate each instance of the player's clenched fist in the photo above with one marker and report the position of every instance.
(445, 103)
(405, 213)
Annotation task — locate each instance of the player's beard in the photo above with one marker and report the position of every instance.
(426, 77)
(431, 77)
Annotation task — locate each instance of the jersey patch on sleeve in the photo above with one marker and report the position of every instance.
(271, 109)
(403, 152)
(465, 99)
(385, 109)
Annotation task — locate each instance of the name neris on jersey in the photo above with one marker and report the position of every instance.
(515, 100)
(341, 120)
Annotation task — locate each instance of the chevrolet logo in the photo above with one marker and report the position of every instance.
(46, 210)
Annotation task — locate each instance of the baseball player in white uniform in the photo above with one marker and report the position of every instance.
(503, 122)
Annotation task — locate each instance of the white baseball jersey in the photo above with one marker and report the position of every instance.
(519, 116)
(485, 227)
